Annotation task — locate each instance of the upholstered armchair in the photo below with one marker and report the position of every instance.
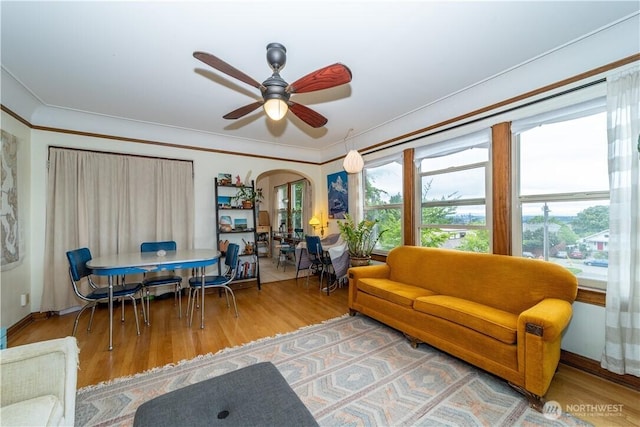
(39, 383)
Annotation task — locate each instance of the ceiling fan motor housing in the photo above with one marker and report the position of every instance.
(275, 88)
(276, 56)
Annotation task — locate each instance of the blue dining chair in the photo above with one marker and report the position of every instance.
(221, 282)
(289, 248)
(78, 270)
(319, 260)
(169, 278)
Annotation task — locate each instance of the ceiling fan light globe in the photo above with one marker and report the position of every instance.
(276, 109)
(353, 162)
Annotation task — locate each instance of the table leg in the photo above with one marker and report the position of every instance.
(202, 293)
(110, 313)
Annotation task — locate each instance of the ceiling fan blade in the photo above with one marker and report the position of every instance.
(307, 115)
(324, 78)
(242, 111)
(222, 66)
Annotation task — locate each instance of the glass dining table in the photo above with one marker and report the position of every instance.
(144, 262)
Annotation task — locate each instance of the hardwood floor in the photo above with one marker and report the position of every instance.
(278, 308)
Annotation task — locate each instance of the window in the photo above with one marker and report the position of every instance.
(290, 202)
(453, 180)
(383, 201)
(563, 191)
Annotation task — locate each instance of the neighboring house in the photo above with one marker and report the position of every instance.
(597, 242)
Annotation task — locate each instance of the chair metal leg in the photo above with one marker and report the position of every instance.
(144, 311)
(75, 324)
(135, 312)
(93, 310)
(308, 274)
(227, 291)
(193, 296)
(179, 292)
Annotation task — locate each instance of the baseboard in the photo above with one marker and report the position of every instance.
(593, 367)
(24, 322)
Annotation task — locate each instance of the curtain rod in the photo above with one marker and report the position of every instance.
(117, 154)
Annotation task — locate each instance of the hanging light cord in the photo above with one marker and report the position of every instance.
(347, 137)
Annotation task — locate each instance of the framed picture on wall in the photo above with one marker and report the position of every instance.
(338, 195)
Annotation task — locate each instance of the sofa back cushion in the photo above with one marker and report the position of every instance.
(509, 283)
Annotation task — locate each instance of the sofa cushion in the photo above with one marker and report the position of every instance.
(396, 292)
(498, 324)
(39, 411)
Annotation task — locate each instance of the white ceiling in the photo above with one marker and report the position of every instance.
(134, 60)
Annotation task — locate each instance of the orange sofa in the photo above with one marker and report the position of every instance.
(500, 313)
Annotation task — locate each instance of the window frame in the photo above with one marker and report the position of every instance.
(574, 111)
(374, 208)
(448, 147)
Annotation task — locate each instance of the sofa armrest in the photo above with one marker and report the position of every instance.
(41, 369)
(546, 319)
(380, 271)
(539, 338)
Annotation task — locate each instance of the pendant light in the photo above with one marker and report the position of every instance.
(353, 162)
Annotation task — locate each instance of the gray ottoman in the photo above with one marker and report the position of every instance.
(257, 395)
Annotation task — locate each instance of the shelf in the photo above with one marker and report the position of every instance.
(248, 270)
(234, 186)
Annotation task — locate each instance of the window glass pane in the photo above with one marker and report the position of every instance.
(471, 240)
(281, 203)
(565, 157)
(297, 203)
(576, 235)
(383, 184)
(391, 221)
(462, 184)
(454, 214)
(466, 157)
(383, 202)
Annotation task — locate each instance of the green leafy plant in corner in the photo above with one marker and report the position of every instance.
(361, 238)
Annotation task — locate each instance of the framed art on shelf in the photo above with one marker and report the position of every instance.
(224, 179)
(224, 201)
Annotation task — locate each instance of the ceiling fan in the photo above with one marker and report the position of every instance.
(276, 92)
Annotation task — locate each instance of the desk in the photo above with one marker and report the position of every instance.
(145, 262)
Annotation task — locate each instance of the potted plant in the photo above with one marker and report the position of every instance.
(248, 196)
(361, 238)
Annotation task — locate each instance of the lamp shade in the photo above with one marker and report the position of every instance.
(353, 162)
(314, 221)
(275, 108)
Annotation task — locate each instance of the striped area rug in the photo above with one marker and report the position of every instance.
(347, 371)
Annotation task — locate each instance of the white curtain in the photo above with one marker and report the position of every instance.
(622, 336)
(110, 203)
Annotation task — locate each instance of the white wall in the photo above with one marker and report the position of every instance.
(585, 334)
